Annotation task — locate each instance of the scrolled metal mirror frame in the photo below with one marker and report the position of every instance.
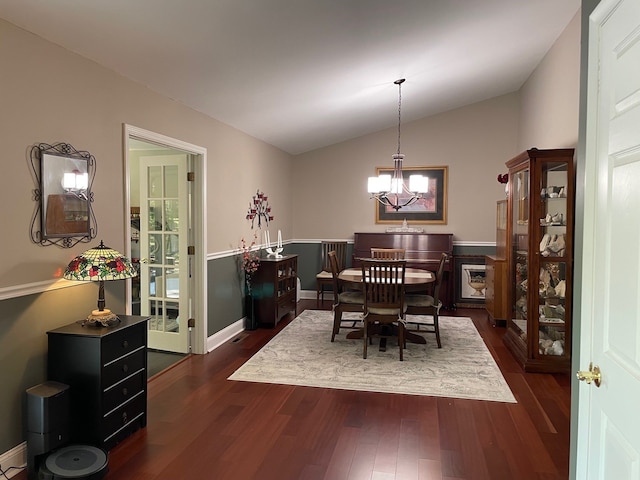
(38, 234)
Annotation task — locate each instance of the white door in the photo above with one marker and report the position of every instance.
(164, 265)
(608, 436)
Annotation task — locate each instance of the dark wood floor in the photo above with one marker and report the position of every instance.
(201, 426)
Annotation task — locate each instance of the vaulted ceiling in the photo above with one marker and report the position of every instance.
(303, 74)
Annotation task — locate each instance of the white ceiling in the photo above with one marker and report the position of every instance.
(303, 74)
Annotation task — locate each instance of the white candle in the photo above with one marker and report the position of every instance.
(279, 239)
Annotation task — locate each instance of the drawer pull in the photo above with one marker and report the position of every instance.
(125, 368)
(125, 344)
(125, 391)
(124, 417)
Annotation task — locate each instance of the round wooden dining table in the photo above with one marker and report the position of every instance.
(415, 279)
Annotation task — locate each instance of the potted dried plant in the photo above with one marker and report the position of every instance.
(249, 263)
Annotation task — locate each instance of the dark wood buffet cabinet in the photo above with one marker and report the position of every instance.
(274, 287)
(106, 370)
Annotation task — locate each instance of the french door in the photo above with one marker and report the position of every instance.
(164, 238)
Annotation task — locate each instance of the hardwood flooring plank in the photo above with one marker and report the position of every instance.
(363, 461)
(343, 453)
(387, 452)
(471, 444)
(532, 441)
(429, 470)
(452, 461)
(508, 440)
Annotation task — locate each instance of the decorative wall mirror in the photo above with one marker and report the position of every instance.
(63, 214)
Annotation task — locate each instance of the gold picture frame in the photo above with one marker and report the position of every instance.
(430, 210)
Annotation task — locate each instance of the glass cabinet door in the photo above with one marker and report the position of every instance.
(519, 247)
(553, 268)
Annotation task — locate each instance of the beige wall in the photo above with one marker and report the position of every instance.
(549, 98)
(51, 95)
(473, 141)
(330, 184)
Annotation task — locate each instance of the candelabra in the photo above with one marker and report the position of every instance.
(259, 210)
(273, 252)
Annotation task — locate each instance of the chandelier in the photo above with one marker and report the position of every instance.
(391, 190)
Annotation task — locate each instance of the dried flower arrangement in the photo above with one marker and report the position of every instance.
(249, 260)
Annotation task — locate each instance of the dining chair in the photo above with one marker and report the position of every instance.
(388, 253)
(343, 300)
(418, 304)
(324, 278)
(384, 306)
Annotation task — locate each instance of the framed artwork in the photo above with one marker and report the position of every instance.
(431, 209)
(470, 281)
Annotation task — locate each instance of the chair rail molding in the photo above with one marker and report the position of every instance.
(15, 291)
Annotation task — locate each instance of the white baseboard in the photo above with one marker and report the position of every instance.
(16, 457)
(227, 333)
(308, 294)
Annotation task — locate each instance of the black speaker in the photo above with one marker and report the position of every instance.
(47, 421)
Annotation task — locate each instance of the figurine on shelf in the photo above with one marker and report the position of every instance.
(552, 245)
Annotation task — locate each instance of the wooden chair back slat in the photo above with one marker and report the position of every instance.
(388, 253)
(383, 283)
(340, 249)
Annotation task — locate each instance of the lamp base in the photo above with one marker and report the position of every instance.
(104, 318)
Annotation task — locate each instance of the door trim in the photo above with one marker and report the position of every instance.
(199, 214)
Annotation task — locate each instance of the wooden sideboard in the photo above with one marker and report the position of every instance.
(497, 291)
(422, 250)
(275, 288)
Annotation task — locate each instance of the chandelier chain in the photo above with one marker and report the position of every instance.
(399, 112)
(391, 190)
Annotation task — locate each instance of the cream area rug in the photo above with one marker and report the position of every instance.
(302, 354)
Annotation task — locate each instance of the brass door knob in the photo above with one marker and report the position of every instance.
(593, 375)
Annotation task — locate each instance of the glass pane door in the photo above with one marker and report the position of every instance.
(519, 244)
(163, 249)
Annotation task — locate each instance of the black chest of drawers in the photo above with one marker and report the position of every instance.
(106, 370)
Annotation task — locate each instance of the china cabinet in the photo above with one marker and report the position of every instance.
(540, 259)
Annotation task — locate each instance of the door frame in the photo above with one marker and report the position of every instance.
(583, 248)
(199, 213)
